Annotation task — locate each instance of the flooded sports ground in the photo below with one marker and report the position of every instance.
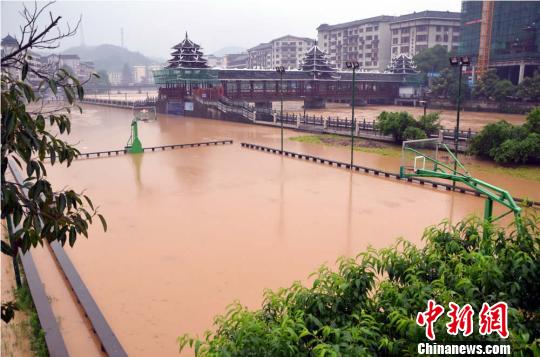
(190, 179)
(193, 229)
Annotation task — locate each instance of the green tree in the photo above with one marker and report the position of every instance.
(432, 59)
(403, 126)
(446, 85)
(485, 86)
(35, 212)
(429, 123)
(529, 88)
(532, 123)
(502, 90)
(394, 123)
(413, 133)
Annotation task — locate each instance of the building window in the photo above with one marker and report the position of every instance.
(325, 37)
(455, 38)
(374, 63)
(405, 40)
(445, 37)
(404, 49)
(368, 38)
(395, 40)
(438, 29)
(360, 55)
(394, 49)
(421, 37)
(368, 46)
(376, 28)
(368, 64)
(360, 30)
(446, 28)
(421, 28)
(369, 29)
(394, 32)
(368, 55)
(376, 37)
(405, 30)
(438, 38)
(355, 31)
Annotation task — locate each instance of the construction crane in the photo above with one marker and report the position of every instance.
(485, 38)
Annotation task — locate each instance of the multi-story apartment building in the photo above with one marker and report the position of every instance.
(366, 41)
(413, 33)
(515, 36)
(260, 56)
(287, 51)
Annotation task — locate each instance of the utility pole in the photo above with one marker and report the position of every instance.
(460, 62)
(354, 66)
(281, 70)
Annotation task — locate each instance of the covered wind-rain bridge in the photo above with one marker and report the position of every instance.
(188, 79)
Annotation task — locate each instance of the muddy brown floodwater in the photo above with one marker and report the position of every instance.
(468, 119)
(192, 230)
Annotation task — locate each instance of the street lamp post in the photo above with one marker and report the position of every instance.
(281, 70)
(459, 62)
(354, 66)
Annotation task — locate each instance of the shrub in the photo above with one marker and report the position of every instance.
(403, 126)
(394, 123)
(413, 133)
(510, 144)
(519, 151)
(491, 136)
(533, 121)
(429, 123)
(368, 307)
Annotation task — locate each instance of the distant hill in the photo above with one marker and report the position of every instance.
(228, 50)
(110, 57)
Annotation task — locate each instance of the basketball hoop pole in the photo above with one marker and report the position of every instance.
(442, 171)
(134, 146)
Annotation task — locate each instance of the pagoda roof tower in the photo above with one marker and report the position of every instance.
(402, 64)
(187, 54)
(316, 62)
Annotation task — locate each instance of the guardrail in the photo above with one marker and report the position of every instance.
(377, 172)
(53, 338)
(110, 153)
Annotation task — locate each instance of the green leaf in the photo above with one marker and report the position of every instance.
(52, 85)
(6, 249)
(103, 222)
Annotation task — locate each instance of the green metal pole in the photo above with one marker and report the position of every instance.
(136, 146)
(488, 210)
(281, 95)
(352, 116)
(456, 134)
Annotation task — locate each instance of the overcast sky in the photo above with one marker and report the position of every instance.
(152, 27)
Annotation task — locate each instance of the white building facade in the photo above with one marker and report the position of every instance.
(366, 41)
(287, 51)
(413, 33)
